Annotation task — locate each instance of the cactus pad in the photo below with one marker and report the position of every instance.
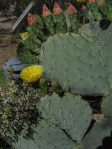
(96, 136)
(107, 106)
(80, 65)
(47, 136)
(69, 112)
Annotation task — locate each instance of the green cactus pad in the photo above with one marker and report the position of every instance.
(47, 136)
(80, 65)
(96, 136)
(69, 112)
(107, 106)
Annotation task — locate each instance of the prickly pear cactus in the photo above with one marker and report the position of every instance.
(69, 112)
(97, 135)
(80, 65)
(100, 136)
(47, 136)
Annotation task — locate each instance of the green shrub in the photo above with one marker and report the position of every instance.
(27, 56)
(3, 80)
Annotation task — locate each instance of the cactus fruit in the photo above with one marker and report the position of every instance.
(98, 133)
(80, 65)
(69, 112)
(47, 136)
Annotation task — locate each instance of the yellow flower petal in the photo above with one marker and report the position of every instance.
(24, 35)
(31, 74)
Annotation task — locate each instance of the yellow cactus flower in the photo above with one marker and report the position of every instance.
(31, 74)
(24, 35)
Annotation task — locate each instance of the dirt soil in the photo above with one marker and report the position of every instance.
(8, 42)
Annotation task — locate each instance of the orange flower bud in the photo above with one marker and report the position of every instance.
(46, 11)
(92, 1)
(71, 9)
(31, 20)
(57, 9)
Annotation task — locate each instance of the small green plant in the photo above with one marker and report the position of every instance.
(16, 108)
(3, 80)
(26, 55)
